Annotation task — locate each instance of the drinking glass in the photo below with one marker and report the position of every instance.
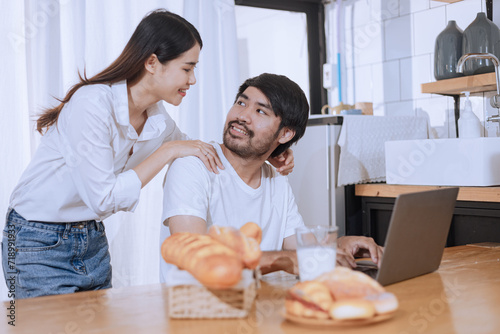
(316, 250)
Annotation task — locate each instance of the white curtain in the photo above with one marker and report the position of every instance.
(44, 44)
(17, 139)
(204, 112)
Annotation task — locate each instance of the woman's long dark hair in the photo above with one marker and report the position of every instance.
(162, 33)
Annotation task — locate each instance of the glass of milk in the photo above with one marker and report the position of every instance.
(316, 250)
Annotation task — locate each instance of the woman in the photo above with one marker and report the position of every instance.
(107, 139)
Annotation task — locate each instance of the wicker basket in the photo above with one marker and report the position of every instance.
(199, 302)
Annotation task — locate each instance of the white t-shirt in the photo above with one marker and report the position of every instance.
(224, 199)
(82, 167)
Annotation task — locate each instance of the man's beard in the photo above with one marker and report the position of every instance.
(247, 150)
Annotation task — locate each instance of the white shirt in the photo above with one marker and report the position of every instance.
(82, 168)
(225, 199)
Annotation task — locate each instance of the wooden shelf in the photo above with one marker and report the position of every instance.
(475, 194)
(455, 86)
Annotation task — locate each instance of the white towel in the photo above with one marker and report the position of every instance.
(362, 149)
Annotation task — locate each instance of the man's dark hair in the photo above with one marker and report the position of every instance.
(288, 101)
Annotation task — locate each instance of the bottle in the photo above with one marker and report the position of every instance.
(469, 125)
(447, 52)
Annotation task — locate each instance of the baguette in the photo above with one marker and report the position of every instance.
(246, 247)
(213, 264)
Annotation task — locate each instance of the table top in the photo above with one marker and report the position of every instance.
(463, 296)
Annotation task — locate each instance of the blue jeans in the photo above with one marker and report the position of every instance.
(41, 259)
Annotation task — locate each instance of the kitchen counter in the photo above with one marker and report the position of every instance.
(474, 194)
(463, 296)
(476, 216)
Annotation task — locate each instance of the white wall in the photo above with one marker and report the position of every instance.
(389, 52)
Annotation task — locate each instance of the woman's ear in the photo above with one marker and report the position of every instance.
(286, 135)
(151, 63)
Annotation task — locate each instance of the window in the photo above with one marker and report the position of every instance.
(268, 27)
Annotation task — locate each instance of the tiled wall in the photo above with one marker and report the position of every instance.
(389, 52)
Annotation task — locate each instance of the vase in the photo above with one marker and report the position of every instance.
(447, 52)
(481, 36)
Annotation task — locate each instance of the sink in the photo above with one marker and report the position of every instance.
(443, 162)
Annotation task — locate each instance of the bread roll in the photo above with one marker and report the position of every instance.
(309, 299)
(299, 309)
(312, 292)
(247, 248)
(345, 283)
(210, 262)
(384, 302)
(344, 293)
(352, 309)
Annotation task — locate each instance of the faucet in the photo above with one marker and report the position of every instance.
(495, 100)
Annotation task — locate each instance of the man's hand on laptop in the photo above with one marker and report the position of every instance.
(349, 247)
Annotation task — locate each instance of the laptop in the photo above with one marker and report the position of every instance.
(416, 238)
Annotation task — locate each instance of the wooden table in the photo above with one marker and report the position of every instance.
(463, 296)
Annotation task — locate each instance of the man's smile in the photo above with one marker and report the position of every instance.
(239, 130)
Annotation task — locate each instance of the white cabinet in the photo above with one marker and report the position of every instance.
(314, 178)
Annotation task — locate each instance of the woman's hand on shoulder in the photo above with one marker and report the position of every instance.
(283, 163)
(204, 151)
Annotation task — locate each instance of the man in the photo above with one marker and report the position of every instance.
(270, 114)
